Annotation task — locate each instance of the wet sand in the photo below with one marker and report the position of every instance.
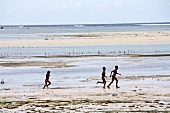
(87, 38)
(37, 63)
(140, 97)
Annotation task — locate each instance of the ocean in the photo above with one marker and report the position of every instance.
(84, 28)
(85, 68)
(34, 32)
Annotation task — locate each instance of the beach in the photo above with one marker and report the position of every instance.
(75, 61)
(67, 39)
(141, 96)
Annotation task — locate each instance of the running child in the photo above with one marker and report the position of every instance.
(113, 74)
(47, 80)
(103, 77)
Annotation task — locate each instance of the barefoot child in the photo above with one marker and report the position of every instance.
(114, 77)
(103, 77)
(47, 80)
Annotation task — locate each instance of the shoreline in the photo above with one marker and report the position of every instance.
(86, 56)
(147, 93)
(64, 64)
(87, 39)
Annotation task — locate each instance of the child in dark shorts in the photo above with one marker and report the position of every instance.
(47, 82)
(114, 77)
(103, 77)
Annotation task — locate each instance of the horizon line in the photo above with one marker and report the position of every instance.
(87, 24)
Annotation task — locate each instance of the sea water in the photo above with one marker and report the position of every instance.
(84, 28)
(34, 32)
(83, 70)
(86, 50)
(84, 67)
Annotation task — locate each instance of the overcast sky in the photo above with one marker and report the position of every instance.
(14, 12)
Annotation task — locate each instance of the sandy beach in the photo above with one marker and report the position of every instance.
(74, 78)
(148, 94)
(136, 97)
(87, 38)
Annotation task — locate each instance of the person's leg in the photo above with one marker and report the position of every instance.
(104, 82)
(45, 85)
(99, 82)
(111, 82)
(103, 79)
(48, 83)
(117, 83)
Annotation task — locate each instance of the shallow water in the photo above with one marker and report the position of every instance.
(86, 50)
(84, 69)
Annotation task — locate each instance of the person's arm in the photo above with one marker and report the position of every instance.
(105, 75)
(118, 73)
(111, 73)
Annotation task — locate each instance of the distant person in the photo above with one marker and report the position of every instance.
(113, 74)
(103, 77)
(47, 82)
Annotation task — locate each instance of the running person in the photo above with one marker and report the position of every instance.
(103, 77)
(114, 77)
(47, 80)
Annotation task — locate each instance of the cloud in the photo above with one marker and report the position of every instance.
(117, 5)
(78, 5)
(64, 6)
(29, 8)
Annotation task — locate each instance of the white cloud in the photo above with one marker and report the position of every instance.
(64, 6)
(117, 5)
(78, 5)
(29, 8)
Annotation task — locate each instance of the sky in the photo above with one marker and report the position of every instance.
(46, 12)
